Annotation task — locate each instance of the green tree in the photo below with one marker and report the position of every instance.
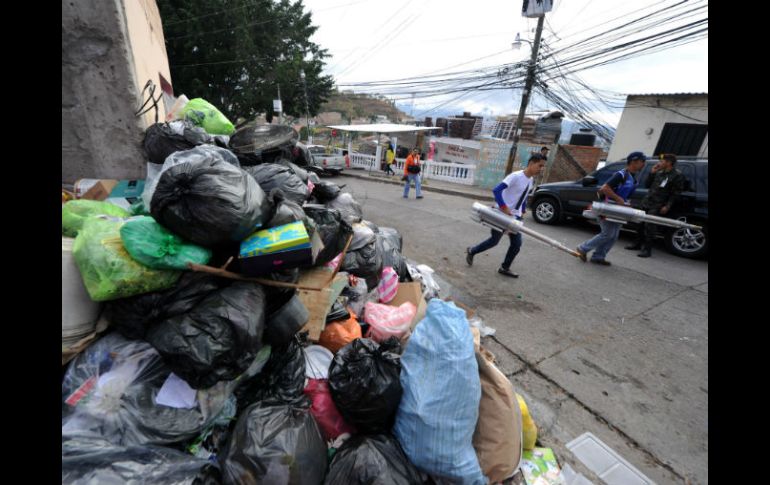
(236, 53)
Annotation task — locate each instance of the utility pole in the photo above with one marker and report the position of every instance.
(525, 95)
(280, 104)
(307, 109)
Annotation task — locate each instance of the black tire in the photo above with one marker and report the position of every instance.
(688, 243)
(547, 211)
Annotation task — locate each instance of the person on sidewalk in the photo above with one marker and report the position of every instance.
(412, 169)
(390, 157)
(511, 198)
(618, 188)
(664, 185)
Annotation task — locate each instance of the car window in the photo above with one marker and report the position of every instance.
(602, 175)
(689, 174)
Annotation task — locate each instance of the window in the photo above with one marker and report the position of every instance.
(689, 174)
(682, 139)
(605, 173)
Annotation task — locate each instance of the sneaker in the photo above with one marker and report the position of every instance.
(419, 196)
(468, 256)
(507, 272)
(581, 255)
(634, 247)
(603, 262)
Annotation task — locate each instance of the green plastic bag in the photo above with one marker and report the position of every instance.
(108, 271)
(138, 208)
(155, 246)
(205, 115)
(74, 212)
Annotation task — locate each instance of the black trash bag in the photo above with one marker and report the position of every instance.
(109, 391)
(163, 139)
(271, 176)
(218, 339)
(393, 236)
(364, 379)
(285, 317)
(332, 229)
(337, 313)
(390, 240)
(349, 208)
(277, 445)
(256, 143)
(133, 316)
(209, 201)
(298, 171)
(365, 263)
(282, 380)
(286, 210)
(371, 226)
(372, 459)
(89, 461)
(325, 192)
(362, 235)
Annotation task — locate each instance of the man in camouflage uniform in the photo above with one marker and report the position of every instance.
(664, 184)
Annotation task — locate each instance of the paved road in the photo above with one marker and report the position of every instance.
(619, 351)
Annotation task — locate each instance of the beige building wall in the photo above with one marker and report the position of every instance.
(148, 48)
(643, 119)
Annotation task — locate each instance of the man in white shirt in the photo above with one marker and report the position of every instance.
(511, 198)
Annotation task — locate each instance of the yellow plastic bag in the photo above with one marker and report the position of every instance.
(529, 430)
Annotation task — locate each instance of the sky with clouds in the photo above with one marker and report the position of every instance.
(374, 40)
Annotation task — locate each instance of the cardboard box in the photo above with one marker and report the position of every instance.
(99, 190)
(126, 192)
(275, 239)
(319, 302)
(411, 292)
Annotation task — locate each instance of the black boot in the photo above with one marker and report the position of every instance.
(645, 253)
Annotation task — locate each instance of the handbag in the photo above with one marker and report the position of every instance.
(413, 169)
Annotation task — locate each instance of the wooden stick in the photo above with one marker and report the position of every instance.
(342, 259)
(235, 276)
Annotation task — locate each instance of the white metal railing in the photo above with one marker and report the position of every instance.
(359, 160)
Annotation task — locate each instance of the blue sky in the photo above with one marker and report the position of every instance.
(377, 40)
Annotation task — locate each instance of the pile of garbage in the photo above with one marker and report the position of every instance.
(236, 320)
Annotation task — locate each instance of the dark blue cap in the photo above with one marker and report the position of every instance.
(635, 156)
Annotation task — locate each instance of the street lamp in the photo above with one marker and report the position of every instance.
(518, 40)
(307, 109)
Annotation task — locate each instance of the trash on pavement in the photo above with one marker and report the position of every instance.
(323, 409)
(340, 333)
(529, 429)
(388, 285)
(387, 321)
(75, 212)
(540, 467)
(372, 459)
(156, 247)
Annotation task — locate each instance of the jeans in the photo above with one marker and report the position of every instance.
(603, 241)
(513, 249)
(416, 178)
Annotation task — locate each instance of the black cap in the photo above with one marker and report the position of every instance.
(635, 156)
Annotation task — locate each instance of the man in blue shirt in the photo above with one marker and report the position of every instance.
(511, 198)
(618, 188)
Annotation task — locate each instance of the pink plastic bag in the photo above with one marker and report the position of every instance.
(324, 411)
(388, 321)
(388, 285)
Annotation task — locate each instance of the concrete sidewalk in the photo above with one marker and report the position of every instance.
(429, 185)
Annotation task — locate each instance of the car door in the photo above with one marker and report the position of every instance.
(686, 203)
(641, 178)
(576, 199)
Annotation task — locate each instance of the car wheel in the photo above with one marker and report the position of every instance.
(547, 211)
(688, 243)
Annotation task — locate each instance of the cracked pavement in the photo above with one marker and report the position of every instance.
(620, 351)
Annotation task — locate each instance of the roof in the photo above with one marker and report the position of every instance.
(383, 128)
(671, 94)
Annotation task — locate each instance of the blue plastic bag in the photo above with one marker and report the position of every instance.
(440, 404)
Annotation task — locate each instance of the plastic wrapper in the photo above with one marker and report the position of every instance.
(75, 212)
(437, 417)
(110, 390)
(275, 444)
(205, 115)
(388, 285)
(95, 461)
(349, 208)
(163, 139)
(387, 321)
(209, 202)
(332, 229)
(390, 239)
(529, 429)
(340, 333)
(356, 292)
(216, 340)
(155, 247)
(372, 459)
(365, 385)
(108, 271)
(272, 176)
(330, 421)
(133, 316)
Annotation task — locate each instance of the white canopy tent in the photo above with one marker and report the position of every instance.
(379, 128)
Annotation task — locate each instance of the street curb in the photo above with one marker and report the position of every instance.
(426, 188)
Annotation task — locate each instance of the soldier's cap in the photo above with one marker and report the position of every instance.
(635, 156)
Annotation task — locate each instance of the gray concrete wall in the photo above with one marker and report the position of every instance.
(101, 137)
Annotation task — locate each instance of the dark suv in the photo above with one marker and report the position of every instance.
(552, 203)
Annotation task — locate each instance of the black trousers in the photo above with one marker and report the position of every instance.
(648, 232)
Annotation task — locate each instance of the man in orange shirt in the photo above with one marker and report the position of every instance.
(412, 169)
